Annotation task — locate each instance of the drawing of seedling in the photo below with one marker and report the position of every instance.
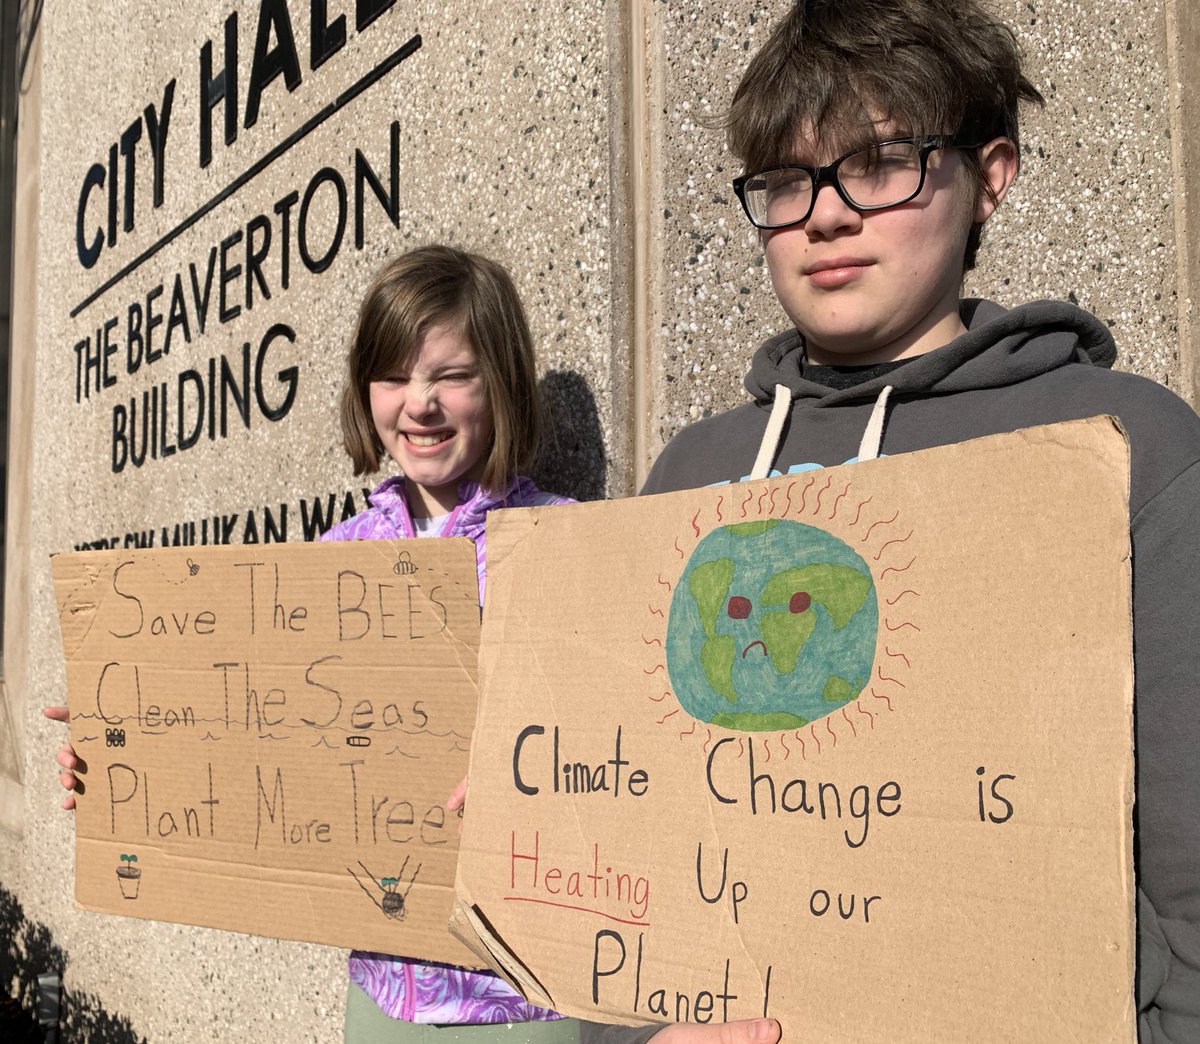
(129, 876)
(393, 901)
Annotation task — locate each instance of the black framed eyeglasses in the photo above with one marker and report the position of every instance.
(882, 175)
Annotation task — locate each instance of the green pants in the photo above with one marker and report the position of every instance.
(367, 1024)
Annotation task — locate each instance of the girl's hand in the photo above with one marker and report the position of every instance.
(67, 758)
(457, 799)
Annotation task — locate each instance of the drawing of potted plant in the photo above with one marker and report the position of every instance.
(129, 876)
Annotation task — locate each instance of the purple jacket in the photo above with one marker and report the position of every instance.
(404, 988)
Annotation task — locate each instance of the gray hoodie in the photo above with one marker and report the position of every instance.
(1038, 364)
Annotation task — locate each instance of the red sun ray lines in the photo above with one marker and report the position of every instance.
(812, 731)
(658, 699)
(761, 497)
(910, 591)
(791, 486)
(679, 549)
(669, 714)
(897, 569)
(820, 494)
(771, 501)
(803, 750)
(707, 740)
(898, 656)
(651, 641)
(665, 583)
(883, 678)
(696, 528)
(901, 626)
(896, 540)
(846, 715)
(657, 612)
(767, 747)
(741, 748)
(749, 497)
(720, 501)
(804, 494)
(863, 710)
(829, 729)
(691, 730)
(886, 699)
(858, 513)
(837, 500)
(655, 669)
(881, 522)
(787, 753)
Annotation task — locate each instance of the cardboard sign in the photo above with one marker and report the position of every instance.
(851, 747)
(270, 735)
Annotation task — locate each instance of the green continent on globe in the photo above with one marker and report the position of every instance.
(773, 627)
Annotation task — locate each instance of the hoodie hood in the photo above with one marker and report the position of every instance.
(1000, 347)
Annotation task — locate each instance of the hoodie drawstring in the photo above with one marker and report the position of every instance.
(872, 438)
(770, 440)
(868, 449)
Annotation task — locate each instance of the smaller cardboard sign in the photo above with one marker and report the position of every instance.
(850, 747)
(270, 734)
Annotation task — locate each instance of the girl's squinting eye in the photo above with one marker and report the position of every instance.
(739, 607)
(800, 602)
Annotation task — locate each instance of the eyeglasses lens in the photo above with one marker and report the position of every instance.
(880, 176)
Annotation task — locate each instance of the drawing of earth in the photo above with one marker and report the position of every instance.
(772, 626)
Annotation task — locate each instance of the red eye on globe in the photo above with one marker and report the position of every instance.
(800, 602)
(739, 607)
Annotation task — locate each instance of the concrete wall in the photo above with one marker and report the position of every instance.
(567, 140)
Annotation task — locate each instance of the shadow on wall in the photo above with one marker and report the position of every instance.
(27, 951)
(572, 462)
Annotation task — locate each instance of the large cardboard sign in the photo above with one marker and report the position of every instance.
(851, 747)
(270, 735)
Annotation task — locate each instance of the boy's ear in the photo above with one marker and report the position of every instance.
(999, 161)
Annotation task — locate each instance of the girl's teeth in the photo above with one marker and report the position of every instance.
(427, 440)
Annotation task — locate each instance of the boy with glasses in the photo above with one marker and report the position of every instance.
(878, 137)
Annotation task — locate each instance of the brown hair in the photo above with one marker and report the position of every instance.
(831, 68)
(436, 285)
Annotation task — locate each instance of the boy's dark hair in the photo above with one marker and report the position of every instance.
(431, 286)
(831, 68)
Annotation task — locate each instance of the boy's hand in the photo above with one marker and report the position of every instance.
(67, 758)
(746, 1031)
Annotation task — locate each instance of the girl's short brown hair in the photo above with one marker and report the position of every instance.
(440, 285)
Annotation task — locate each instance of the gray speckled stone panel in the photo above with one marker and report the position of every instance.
(1090, 217)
